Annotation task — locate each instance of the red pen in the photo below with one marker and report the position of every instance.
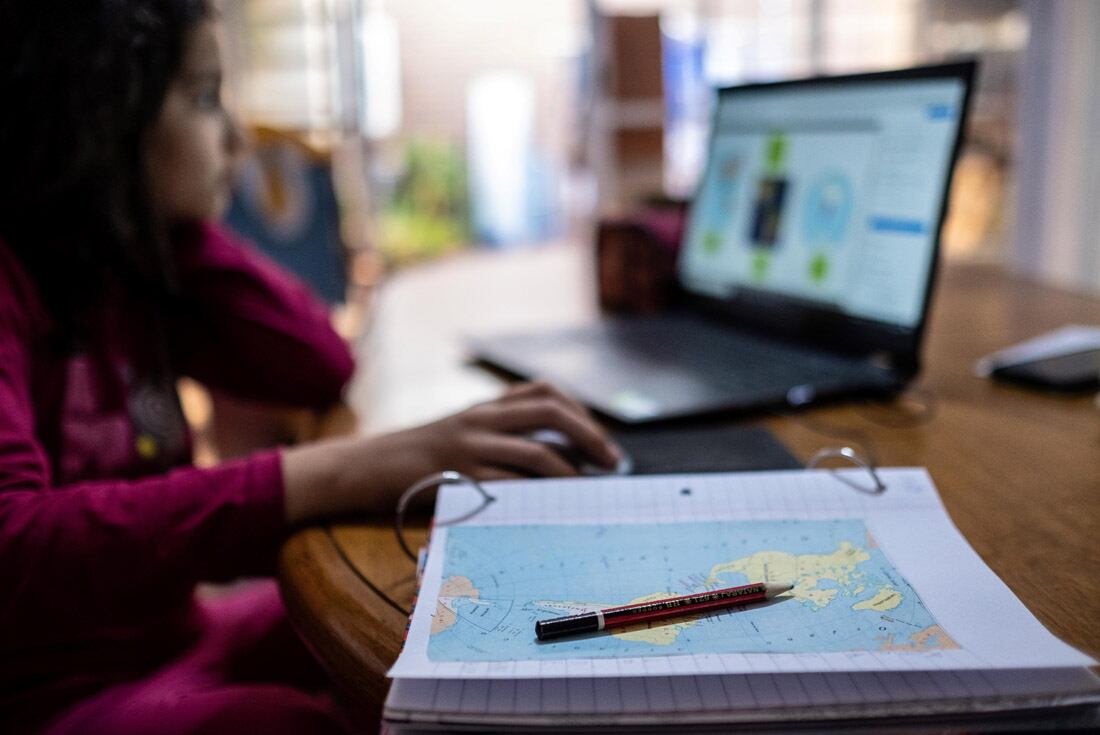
(642, 612)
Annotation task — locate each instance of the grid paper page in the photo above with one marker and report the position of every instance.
(731, 699)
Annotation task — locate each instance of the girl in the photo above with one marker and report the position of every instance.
(115, 155)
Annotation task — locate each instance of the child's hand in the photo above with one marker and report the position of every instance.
(489, 441)
(486, 442)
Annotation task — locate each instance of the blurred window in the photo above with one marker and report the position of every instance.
(289, 65)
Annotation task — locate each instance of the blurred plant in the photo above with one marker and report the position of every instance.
(427, 213)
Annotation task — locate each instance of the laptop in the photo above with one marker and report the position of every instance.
(807, 262)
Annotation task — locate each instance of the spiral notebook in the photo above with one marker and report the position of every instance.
(892, 613)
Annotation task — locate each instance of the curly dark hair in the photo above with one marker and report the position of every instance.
(82, 83)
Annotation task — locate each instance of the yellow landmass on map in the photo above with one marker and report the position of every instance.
(570, 607)
(456, 586)
(931, 638)
(659, 632)
(807, 570)
(887, 598)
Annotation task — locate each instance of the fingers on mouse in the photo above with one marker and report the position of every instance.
(564, 446)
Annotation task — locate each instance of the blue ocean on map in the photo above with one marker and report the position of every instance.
(499, 580)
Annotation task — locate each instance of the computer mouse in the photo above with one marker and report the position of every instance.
(564, 446)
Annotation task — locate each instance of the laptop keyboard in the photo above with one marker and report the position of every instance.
(662, 367)
(724, 359)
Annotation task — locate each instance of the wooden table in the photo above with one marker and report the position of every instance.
(1018, 470)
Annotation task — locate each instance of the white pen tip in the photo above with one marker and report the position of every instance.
(771, 589)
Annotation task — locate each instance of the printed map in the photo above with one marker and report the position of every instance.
(499, 580)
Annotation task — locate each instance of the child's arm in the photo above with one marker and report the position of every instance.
(254, 331)
(485, 441)
(91, 554)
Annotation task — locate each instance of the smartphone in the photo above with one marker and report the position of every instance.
(1075, 371)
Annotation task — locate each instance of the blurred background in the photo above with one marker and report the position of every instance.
(393, 131)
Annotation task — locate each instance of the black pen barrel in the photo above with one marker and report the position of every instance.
(571, 625)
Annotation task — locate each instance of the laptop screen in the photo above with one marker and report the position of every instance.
(827, 193)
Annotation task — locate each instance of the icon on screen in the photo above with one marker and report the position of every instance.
(771, 195)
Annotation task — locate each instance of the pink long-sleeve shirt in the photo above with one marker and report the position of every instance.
(100, 549)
